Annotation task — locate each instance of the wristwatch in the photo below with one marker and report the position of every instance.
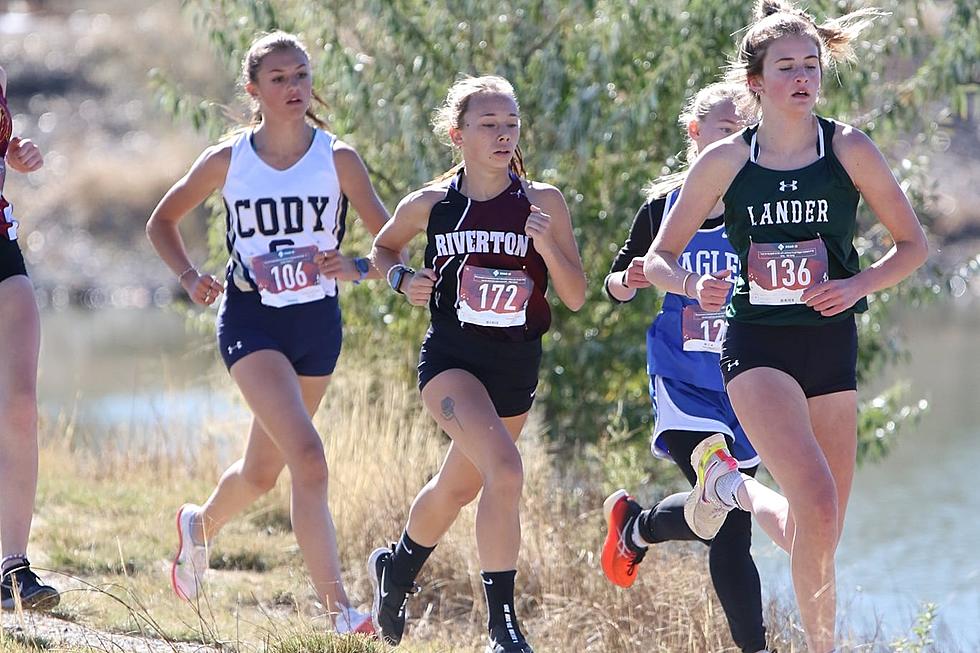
(396, 274)
(363, 266)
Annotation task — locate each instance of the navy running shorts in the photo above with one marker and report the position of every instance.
(11, 260)
(309, 335)
(822, 358)
(507, 369)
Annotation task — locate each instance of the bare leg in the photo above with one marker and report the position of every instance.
(461, 406)
(255, 473)
(771, 512)
(782, 434)
(273, 392)
(456, 485)
(20, 341)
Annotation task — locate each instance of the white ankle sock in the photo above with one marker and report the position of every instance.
(727, 486)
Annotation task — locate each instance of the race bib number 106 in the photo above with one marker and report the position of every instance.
(288, 276)
(492, 297)
(780, 272)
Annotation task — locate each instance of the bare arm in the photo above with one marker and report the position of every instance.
(356, 185)
(874, 179)
(708, 179)
(550, 227)
(23, 154)
(411, 218)
(206, 175)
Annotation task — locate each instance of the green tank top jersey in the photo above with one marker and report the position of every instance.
(780, 222)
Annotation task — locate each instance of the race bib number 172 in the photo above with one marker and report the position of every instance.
(780, 272)
(288, 276)
(492, 297)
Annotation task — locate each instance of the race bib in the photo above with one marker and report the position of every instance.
(491, 297)
(8, 226)
(288, 276)
(780, 272)
(703, 330)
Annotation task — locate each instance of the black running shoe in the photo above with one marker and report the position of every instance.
(21, 581)
(388, 608)
(505, 644)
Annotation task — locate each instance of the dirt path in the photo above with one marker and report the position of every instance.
(44, 632)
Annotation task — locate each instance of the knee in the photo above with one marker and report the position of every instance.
(455, 496)
(260, 476)
(309, 466)
(505, 475)
(816, 510)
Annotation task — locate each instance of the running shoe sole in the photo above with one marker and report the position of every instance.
(705, 517)
(612, 535)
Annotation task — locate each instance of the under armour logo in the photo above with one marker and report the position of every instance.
(790, 185)
(232, 348)
(732, 365)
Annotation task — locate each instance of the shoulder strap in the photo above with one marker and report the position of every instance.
(669, 201)
(457, 181)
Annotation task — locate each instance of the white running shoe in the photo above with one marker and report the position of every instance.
(704, 510)
(191, 560)
(351, 620)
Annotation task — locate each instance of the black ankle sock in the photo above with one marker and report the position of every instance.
(647, 524)
(408, 559)
(502, 621)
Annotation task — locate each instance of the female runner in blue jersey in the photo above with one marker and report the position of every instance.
(285, 181)
(790, 187)
(690, 404)
(493, 241)
(20, 342)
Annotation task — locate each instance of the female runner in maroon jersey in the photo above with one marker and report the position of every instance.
(493, 239)
(19, 345)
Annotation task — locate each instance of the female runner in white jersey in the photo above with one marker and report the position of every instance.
(20, 341)
(494, 239)
(790, 188)
(285, 183)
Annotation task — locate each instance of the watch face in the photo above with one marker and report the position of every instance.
(363, 265)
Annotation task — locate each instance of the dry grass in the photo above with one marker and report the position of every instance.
(106, 520)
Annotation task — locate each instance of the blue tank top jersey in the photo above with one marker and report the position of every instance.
(709, 251)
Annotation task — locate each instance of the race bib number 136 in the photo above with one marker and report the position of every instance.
(492, 297)
(780, 272)
(288, 276)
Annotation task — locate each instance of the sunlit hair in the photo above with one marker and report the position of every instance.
(774, 19)
(262, 47)
(450, 114)
(696, 109)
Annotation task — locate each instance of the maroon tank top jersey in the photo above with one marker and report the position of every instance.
(6, 125)
(489, 278)
(6, 132)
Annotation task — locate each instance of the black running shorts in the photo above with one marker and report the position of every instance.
(822, 358)
(508, 370)
(11, 260)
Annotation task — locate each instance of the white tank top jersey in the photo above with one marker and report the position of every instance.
(286, 213)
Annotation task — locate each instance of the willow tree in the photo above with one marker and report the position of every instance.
(600, 84)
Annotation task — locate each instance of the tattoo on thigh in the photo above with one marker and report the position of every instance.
(448, 410)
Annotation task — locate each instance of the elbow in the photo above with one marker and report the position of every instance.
(577, 299)
(918, 249)
(150, 229)
(923, 250)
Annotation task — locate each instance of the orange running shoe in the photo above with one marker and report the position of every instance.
(620, 555)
